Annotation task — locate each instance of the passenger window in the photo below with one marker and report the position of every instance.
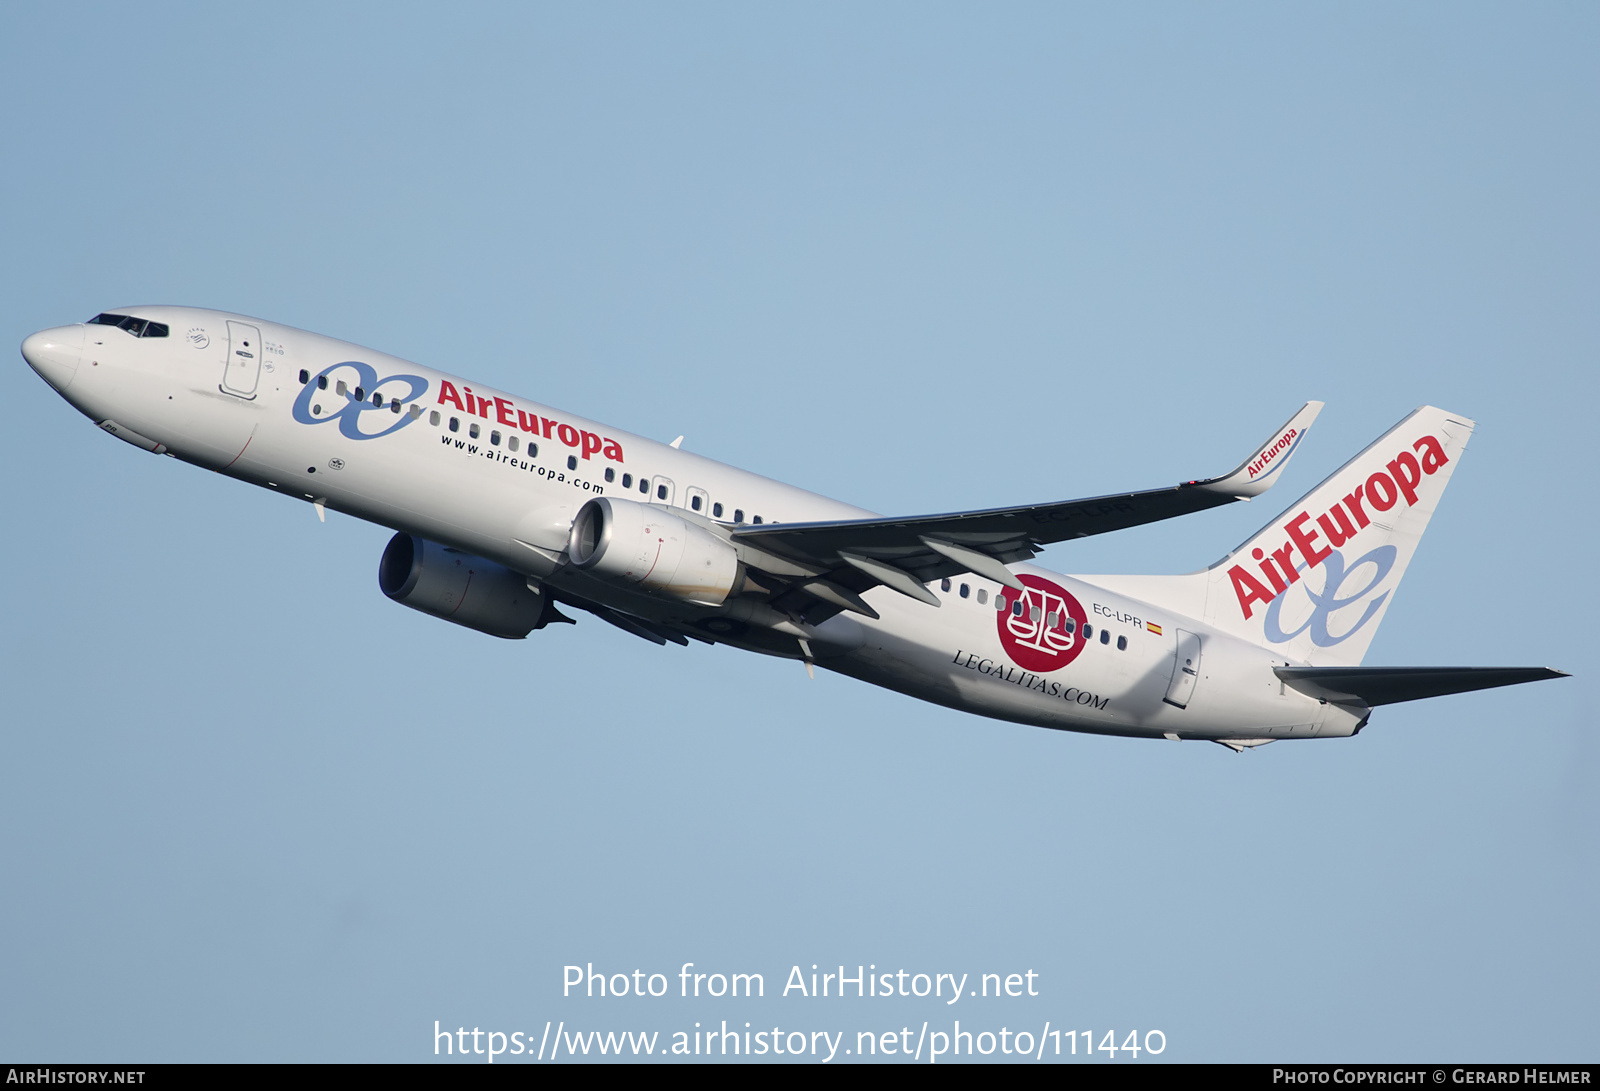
(1122, 643)
(1088, 631)
(738, 515)
(377, 400)
(533, 450)
(474, 431)
(694, 502)
(433, 418)
(1033, 614)
(415, 411)
(1016, 608)
(511, 442)
(1070, 625)
(572, 462)
(661, 492)
(1051, 620)
(644, 486)
(494, 438)
(611, 475)
(716, 511)
(983, 596)
(756, 521)
(361, 395)
(394, 406)
(944, 585)
(965, 590)
(322, 383)
(305, 376)
(1105, 636)
(455, 424)
(627, 481)
(340, 388)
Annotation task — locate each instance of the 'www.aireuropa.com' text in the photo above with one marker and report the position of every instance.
(557, 1042)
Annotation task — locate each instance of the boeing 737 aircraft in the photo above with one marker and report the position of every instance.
(507, 510)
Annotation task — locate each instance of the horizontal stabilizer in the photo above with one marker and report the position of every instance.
(1374, 686)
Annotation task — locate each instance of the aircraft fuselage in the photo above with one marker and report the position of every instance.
(497, 476)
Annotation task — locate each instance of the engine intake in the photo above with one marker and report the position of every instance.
(629, 542)
(461, 588)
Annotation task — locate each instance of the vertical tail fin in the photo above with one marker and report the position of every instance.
(1316, 581)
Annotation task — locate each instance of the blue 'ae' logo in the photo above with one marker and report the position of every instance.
(375, 396)
(1329, 600)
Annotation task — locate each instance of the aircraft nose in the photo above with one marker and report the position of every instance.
(54, 354)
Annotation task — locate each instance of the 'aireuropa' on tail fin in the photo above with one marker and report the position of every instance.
(1316, 581)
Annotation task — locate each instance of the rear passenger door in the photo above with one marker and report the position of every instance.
(1185, 669)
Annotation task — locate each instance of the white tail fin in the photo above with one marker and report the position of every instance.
(1317, 580)
(1314, 583)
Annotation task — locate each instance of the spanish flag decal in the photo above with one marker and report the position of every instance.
(1151, 626)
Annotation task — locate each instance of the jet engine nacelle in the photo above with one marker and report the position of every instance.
(459, 587)
(632, 543)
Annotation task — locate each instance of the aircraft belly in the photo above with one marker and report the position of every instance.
(943, 660)
(955, 656)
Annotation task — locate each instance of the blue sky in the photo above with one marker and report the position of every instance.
(918, 257)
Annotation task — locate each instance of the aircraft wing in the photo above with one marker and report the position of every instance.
(835, 561)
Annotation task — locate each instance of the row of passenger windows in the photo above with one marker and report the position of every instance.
(1051, 620)
(697, 500)
(139, 327)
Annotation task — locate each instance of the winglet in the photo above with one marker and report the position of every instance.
(1256, 474)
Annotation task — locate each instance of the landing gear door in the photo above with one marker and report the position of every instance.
(1185, 669)
(242, 372)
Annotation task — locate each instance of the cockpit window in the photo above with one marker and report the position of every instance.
(121, 321)
(139, 327)
(127, 322)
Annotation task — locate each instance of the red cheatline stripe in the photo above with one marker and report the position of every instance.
(243, 449)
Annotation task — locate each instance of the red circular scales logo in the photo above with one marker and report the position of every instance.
(1041, 628)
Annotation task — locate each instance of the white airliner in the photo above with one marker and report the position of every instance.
(507, 510)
